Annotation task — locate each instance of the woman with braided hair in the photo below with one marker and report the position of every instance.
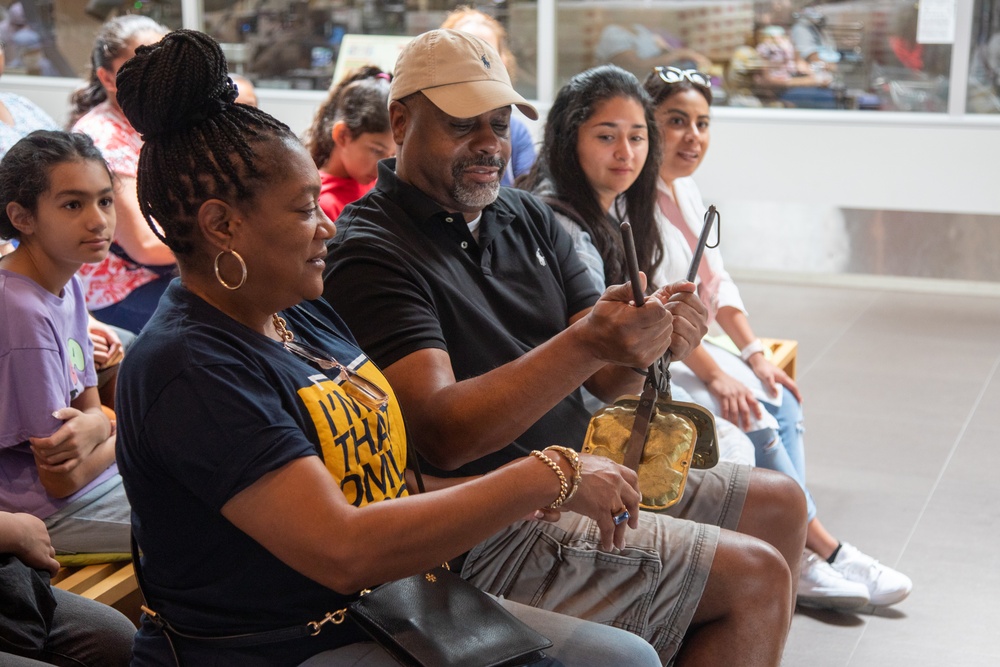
(349, 136)
(256, 462)
(124, 288)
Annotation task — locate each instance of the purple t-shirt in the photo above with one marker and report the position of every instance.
(46, 360)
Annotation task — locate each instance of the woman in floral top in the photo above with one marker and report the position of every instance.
(124, 289)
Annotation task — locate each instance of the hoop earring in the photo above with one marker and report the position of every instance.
(243, 267)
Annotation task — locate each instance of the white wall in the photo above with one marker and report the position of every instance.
(872, 160)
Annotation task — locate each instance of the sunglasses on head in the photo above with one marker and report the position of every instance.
(676, 75)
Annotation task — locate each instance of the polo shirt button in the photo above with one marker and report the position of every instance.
(465, 245)
(449, 219)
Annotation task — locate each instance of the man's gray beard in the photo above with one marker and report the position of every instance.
(479, 195)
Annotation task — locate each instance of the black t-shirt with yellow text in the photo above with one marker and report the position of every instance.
(206, 408)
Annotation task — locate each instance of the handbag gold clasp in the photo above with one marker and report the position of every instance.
(335, 617)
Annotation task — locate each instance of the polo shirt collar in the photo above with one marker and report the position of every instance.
(419, 206)
(422, 209)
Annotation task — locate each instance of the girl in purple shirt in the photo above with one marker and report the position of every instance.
(57, 457)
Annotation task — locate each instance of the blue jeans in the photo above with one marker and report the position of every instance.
(84, 632)
(784, 451)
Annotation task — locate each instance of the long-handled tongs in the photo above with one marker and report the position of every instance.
(656, 389)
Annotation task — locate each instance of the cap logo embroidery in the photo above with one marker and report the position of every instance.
(486, 62)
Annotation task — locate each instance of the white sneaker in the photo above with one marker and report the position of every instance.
(822, 586)
(885, 585)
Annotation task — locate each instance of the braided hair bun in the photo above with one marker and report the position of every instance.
(186, 72)
(198, 143)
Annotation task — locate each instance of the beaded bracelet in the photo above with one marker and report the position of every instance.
(574, 460)
(563, 484)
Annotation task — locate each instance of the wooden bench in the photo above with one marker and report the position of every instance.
(783, 353)
(113, 584)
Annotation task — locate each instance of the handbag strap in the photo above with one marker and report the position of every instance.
(311, 628)
(640, 427)
(413, 463)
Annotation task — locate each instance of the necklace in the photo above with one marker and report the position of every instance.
(281, 328)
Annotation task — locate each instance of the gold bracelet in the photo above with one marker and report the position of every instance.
(574, 460)
(563, 485)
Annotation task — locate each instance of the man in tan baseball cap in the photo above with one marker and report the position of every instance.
(449, 110)
(473, 301)
(460, 73)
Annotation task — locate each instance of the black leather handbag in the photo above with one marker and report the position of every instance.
(438, 619)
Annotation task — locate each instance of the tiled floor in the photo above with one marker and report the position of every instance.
(902, 404)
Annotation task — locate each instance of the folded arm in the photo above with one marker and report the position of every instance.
(79, 450)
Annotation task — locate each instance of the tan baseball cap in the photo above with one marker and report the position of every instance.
(460, 73)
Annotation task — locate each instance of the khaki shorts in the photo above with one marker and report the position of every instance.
(652, 587)
(714, 496)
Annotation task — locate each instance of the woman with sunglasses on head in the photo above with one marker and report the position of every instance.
(349, 136)
(257, 443)
(745, 387)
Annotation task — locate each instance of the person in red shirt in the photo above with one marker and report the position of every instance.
(348, 137)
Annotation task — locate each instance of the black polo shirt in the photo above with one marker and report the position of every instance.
(406, 275)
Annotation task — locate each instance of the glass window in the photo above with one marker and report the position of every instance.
(55, 37)
(297, 44)
(853, 54)
(291, 43)
(984, 59)
(294, 44)
(866, 54)
(520, 19)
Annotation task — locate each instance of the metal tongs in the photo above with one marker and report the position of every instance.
(656, 389)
